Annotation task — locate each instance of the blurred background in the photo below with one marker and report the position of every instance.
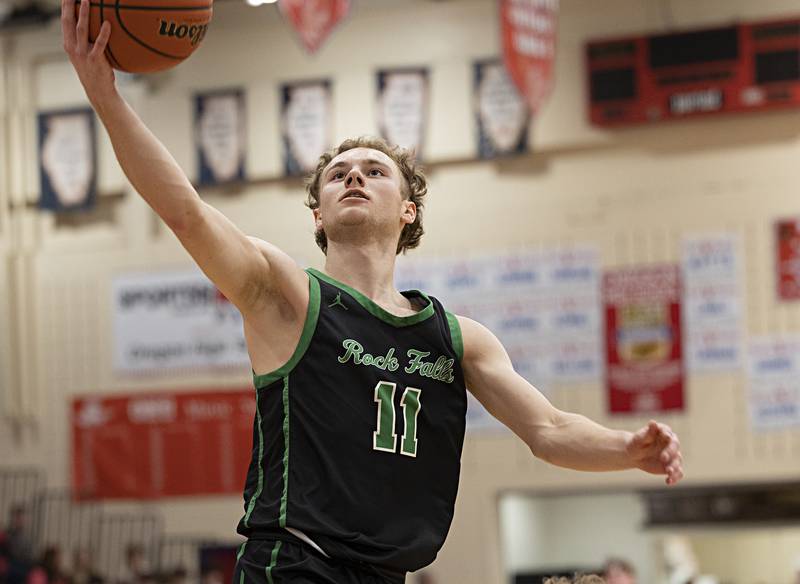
(632, 234)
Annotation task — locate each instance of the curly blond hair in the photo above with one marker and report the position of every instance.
(415, 187)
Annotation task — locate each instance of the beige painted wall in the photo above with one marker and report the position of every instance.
(633, 193)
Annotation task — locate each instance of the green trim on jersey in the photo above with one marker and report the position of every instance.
(273, 561)
(373, 308)
(251, 505)
(285, 496)
(305, 339)
(455, 335)
(239, 557)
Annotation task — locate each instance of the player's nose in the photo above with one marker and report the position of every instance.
(354, 178)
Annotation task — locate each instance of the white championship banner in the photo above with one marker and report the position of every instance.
(220, 136)
(174, 320)
(713, 299)
(774, 375)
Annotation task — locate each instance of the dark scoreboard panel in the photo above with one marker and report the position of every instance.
(743, 67)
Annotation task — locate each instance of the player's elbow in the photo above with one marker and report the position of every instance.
(542, 438)
(184, 219)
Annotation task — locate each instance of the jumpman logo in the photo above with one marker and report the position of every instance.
(338, 302)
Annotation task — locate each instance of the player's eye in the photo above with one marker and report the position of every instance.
(376, 172)
(338, 175)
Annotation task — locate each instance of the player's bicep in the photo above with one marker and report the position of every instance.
(491, 378)
(235, 263)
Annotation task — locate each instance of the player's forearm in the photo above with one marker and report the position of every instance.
(577, 442)
(150, 168)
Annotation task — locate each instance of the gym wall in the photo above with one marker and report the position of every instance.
(634, 193)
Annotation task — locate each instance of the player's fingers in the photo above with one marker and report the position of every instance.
(670, 452)
(68, 24)
(101, 41)
(674, 475)
(82, 30)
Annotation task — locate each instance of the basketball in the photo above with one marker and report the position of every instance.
(149, 35)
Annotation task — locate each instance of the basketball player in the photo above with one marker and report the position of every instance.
(361, 389)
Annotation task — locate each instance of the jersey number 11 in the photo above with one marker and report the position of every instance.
(384, 438)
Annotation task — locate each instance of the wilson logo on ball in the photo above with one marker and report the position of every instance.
(194, 32)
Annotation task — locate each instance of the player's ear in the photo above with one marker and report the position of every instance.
(409, 212)
(317, 218)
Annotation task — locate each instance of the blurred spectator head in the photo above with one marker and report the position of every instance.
(135, 559)
(212, 575)
(178, 575)
(619, 571)
(17, 518)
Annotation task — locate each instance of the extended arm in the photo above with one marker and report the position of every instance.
(560, 438)
(247, 271)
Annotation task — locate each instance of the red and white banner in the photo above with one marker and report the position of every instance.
(644, 355)
(314, 19)
(528, 29)
(164, 444)
(788, 260)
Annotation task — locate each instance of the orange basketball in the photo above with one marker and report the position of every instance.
(150, 35)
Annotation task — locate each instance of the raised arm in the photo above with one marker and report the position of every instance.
(246, 270)
(560, 438)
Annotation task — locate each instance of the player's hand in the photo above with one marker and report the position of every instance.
(657, 450)
(88, 59)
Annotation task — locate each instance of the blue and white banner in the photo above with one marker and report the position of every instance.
(174, 320)
(774, 375)
(501, 115)
(712, 303)
(544, 306)
(305, 124)
(67, 160)
(220, 136)
(403, 107)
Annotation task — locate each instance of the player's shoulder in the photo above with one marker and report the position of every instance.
(475, 337)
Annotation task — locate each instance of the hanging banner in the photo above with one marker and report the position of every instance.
(713, 303)
(305, 123)
(787, 248)
(502, 119)
(67, 160)
(774, 376)
(528, 30)
(174, 320)
(161, 444)
(403, 107)
(314, 19)
(644, 357)
(220, 135)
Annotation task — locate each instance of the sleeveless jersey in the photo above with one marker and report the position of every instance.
(357, 439)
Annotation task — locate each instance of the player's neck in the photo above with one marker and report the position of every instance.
(365, 267)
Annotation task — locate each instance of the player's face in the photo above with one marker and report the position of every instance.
(362, 189)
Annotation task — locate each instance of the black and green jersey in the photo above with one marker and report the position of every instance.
(357, 439)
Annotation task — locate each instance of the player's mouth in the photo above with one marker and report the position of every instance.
(354, 194)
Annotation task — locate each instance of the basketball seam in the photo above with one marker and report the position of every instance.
(141, 42)
(173, 8)
(114, 60)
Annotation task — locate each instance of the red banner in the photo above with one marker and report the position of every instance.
(314, 19)
(528, 29)
(788, 264)
(164, 444)
(643, 339)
